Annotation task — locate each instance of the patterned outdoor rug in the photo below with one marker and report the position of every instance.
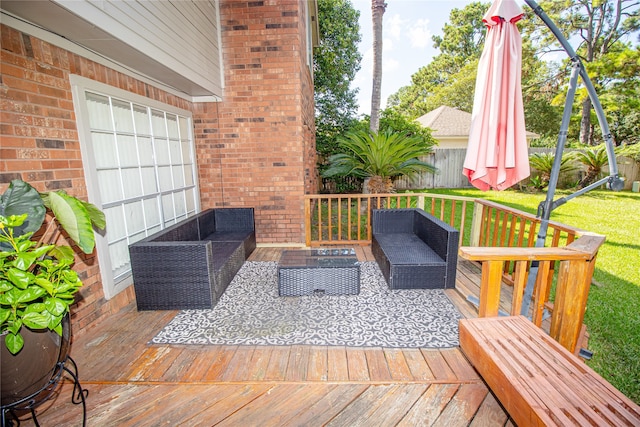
(250, 312)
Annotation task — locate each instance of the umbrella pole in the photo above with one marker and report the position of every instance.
(545, 207)
(613, 181)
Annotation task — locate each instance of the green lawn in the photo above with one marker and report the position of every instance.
(613, 310)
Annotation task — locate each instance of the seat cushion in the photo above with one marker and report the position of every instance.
(407, 249)
(229, 236)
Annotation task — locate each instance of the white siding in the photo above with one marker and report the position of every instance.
(182, 35)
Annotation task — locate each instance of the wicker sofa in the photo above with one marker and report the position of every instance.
(414, 250)
(190, 264)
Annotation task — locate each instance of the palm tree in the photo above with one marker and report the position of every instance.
(594, 159)
(543, 163)
(379, 157)
(377, 10)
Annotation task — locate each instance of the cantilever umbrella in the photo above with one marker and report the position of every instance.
(497, 155)
(497, 129)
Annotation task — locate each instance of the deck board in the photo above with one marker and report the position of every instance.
(132, 382)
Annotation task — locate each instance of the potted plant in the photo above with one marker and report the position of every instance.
(37, 281)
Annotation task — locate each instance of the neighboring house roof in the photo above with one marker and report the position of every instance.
(447, 122)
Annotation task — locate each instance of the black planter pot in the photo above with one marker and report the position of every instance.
(30, 370)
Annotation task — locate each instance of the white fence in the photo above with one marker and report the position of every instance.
(449, 162)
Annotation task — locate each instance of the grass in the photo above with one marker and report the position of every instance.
(613, 308)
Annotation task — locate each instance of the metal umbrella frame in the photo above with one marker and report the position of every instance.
(613, 181)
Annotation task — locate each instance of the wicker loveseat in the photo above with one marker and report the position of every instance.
(190, 264)
(414, 249)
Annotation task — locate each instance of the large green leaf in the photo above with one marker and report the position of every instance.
(21, 198)
(14, 342)
(95, 215)
(74, 218)
(32, 293)
(4, 314)
(56, 306)
(20, 278)
(36, 320)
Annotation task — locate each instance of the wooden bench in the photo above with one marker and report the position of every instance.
(538, 381)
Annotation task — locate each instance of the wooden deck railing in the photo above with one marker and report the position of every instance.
(500, 238)
(345, 219)
(577, 262)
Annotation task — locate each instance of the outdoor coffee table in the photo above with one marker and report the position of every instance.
(334, 271)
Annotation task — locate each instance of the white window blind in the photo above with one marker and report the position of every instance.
(140, 162)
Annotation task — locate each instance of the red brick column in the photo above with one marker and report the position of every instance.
(258, 147)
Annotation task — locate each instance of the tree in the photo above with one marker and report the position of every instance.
(463, 37)
(450, 78)
(377, 10)
(379, 157)
(393, 121)
(336, 62)
(619, 75)
(593, 159)
(543, 163)
(599, 25)
(461, 46)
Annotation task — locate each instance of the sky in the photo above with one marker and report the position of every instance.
(407, 28)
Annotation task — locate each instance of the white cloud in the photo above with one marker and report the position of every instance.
(388, 66)
(387, 45)
(420, 34)
(395, 26)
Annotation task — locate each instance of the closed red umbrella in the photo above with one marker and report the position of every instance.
(497, 155)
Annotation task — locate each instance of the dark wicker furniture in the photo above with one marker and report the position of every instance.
(334, 271)
(190, 264)
(414, 250)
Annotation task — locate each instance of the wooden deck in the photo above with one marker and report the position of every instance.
(132, 383)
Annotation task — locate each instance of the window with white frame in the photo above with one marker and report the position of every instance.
(139, 163)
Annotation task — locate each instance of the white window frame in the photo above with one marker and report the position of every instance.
(80, 85)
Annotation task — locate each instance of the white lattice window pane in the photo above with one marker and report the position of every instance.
(110, 185)
(190, 200)
(104, 150)
(145, 151)
(133, 186)
(158, 126)
(181, 210)
(134, 217)
(172, 126)
(115, 223)
(127, 150)
(183, 125)
(186, 151)
(149, 183)
(122, 118)
(164, 178)
(188, 175)
(119, 253)
(176, 152)
(162, 151)
(178, 176)
(151, 212)
(141, 117)
(168, 209)
(99, 112)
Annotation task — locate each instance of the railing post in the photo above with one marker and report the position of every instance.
(572, 291)
(307, 221)
(476, 224)
(490, 289)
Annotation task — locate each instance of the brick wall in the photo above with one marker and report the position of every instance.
(261, 135)
(255, 148)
